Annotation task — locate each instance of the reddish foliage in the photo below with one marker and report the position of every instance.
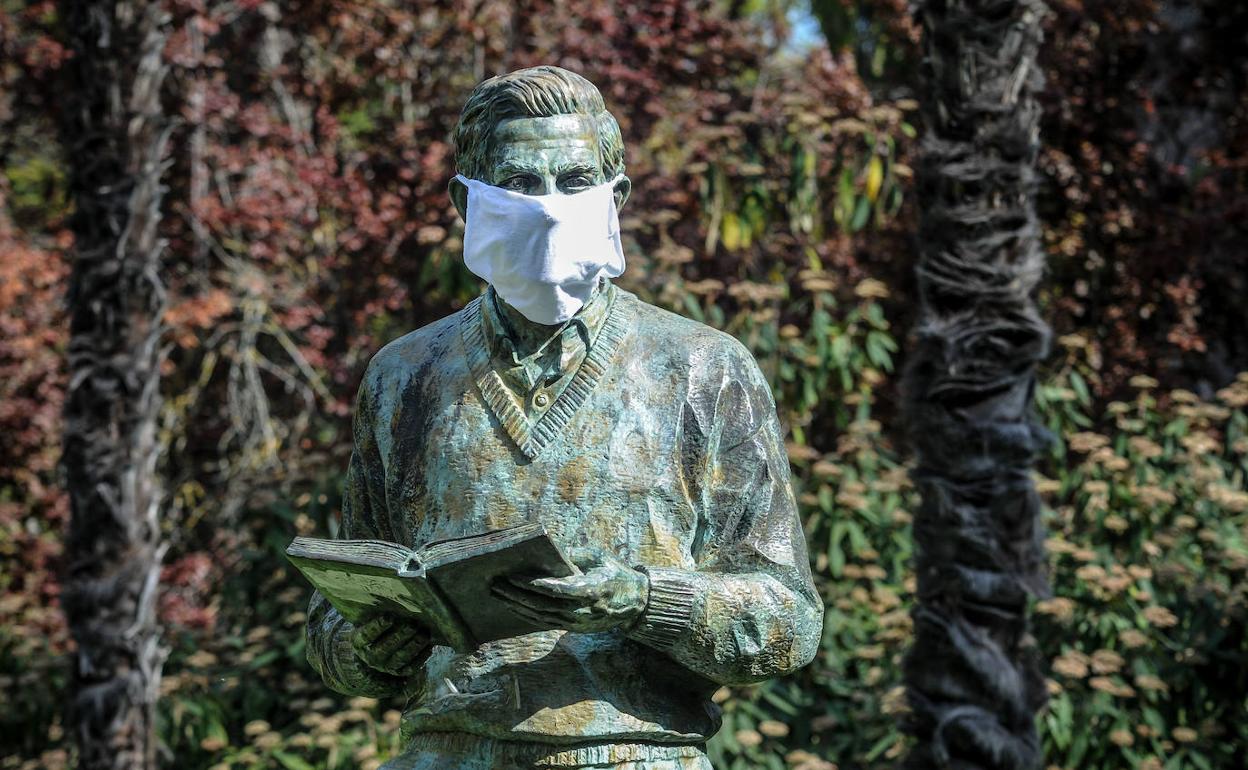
(1146, 128)
(187, 598)
(32, 388)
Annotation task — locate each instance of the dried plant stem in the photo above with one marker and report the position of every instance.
(115, 135)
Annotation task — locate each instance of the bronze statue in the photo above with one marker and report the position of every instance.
(646, 444)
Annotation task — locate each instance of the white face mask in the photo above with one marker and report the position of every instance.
(543, 254)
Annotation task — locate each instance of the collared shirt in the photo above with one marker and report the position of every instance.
(662, 447)
(536, 369)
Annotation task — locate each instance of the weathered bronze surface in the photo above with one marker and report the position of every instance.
(649, 447)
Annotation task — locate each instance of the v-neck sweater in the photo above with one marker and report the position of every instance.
(532, 417)
(666, 450)
(544, 363)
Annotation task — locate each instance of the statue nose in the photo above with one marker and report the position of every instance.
(547, 184)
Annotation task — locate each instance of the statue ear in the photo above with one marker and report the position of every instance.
(459, 196)
(622, 190)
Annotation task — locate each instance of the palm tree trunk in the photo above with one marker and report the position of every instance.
(973, 676)
(114, 133)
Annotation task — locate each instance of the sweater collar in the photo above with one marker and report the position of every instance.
(513, 337)
(609, 322)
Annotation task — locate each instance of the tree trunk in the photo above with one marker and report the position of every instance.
(973, 676)
(114, 134)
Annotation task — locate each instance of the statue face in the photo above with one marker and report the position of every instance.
(540, 156)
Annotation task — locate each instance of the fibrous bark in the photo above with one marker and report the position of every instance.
(973, 676)
(114, 134)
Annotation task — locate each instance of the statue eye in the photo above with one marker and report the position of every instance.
(577, 182)
(517, 183)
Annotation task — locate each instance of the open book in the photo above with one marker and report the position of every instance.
(444, 584)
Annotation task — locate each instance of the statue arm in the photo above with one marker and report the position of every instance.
(329, 647)
(749, 610)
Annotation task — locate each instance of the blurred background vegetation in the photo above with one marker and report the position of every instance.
(769, 143)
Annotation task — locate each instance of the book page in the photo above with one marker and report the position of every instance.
(456, 548)
(373, 553)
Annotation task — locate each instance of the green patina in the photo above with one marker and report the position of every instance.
(646, 443)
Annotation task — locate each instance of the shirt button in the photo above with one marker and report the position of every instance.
(541, 400)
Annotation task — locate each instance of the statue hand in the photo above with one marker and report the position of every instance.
(608, 594)
(391, 645)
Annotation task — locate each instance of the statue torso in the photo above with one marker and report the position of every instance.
(615, 463)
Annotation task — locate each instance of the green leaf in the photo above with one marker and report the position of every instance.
(292, 761)
(836, 555)
(1080, 387)
(877, 350)
(880, 747)
(840, 350)
(780, 703)
(862, 212)
(844, 198)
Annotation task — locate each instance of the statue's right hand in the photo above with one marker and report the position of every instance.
(391, 645)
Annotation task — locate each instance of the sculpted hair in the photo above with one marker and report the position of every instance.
(536, 92)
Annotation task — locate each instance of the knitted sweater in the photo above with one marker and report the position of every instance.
(663, 447)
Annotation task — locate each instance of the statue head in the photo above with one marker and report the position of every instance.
(538, 131)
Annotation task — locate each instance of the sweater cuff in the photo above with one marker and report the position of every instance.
(669, 609)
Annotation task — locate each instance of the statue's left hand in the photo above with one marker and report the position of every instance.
(607, 594)
(392, 645)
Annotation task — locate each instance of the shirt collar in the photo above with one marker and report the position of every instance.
(501, 335)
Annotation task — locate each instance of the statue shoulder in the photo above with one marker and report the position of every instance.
(689, 339)
(401, 358)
